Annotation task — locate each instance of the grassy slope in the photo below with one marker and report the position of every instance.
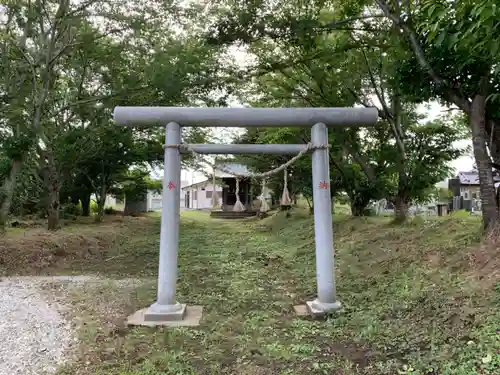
(413, 297)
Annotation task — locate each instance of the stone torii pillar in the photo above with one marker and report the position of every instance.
(166, 310)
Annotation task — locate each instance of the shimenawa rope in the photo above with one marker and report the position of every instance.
(264, 175)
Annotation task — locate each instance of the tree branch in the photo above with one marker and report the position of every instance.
(373, 81)
(411, 35)
(357, 98)
(361, 160)
(94, 99)
(334, 24)
(276, 66)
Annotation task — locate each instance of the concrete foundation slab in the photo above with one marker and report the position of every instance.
(301, 310)
(191, 318)
(318, 309)
(157, 312)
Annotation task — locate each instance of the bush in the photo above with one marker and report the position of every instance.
(93, 207)
(369, 212)
(71, 209)
(342, 199)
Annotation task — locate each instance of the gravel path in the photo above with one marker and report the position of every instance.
(34, 335)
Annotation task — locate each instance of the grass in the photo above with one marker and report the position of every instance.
(419, 299)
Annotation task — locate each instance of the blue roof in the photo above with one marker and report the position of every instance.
(472, 177)
(468, 178)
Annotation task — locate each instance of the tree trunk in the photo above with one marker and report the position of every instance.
(357, 210)
(135, 207)
(311, 207)
(402, 196)
(85, 199)
(401, 208)
(53, 209)
(477, 124)
(493, 138)
(8, 188)
(358, 206)
(101, 201)
(52, 189)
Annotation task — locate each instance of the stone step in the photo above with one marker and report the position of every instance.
(232, 214)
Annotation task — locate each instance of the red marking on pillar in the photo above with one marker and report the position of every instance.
(323, 185)
(171, 185)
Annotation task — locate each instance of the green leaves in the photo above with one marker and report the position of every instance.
(16, 147)
(431, 150)
(468, 28)
(63, 68)
(334, 54)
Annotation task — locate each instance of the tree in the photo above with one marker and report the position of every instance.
(430, 150)
(65, 65)
(443, 41)
(455, 59)
(38, 36)
(343, 68)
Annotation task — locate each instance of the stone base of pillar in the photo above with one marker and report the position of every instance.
(317, 308)
(177, 315)
(157, 312)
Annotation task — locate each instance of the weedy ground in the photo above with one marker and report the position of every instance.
(420, 298)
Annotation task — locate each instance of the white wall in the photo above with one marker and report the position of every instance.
(201, 201)
(154, 201)
(183, 193)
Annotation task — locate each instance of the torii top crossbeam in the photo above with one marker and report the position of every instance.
(244, 117)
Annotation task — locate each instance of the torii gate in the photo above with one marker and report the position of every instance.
(166, 310)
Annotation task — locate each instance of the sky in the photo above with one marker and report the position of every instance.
(463, 163)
